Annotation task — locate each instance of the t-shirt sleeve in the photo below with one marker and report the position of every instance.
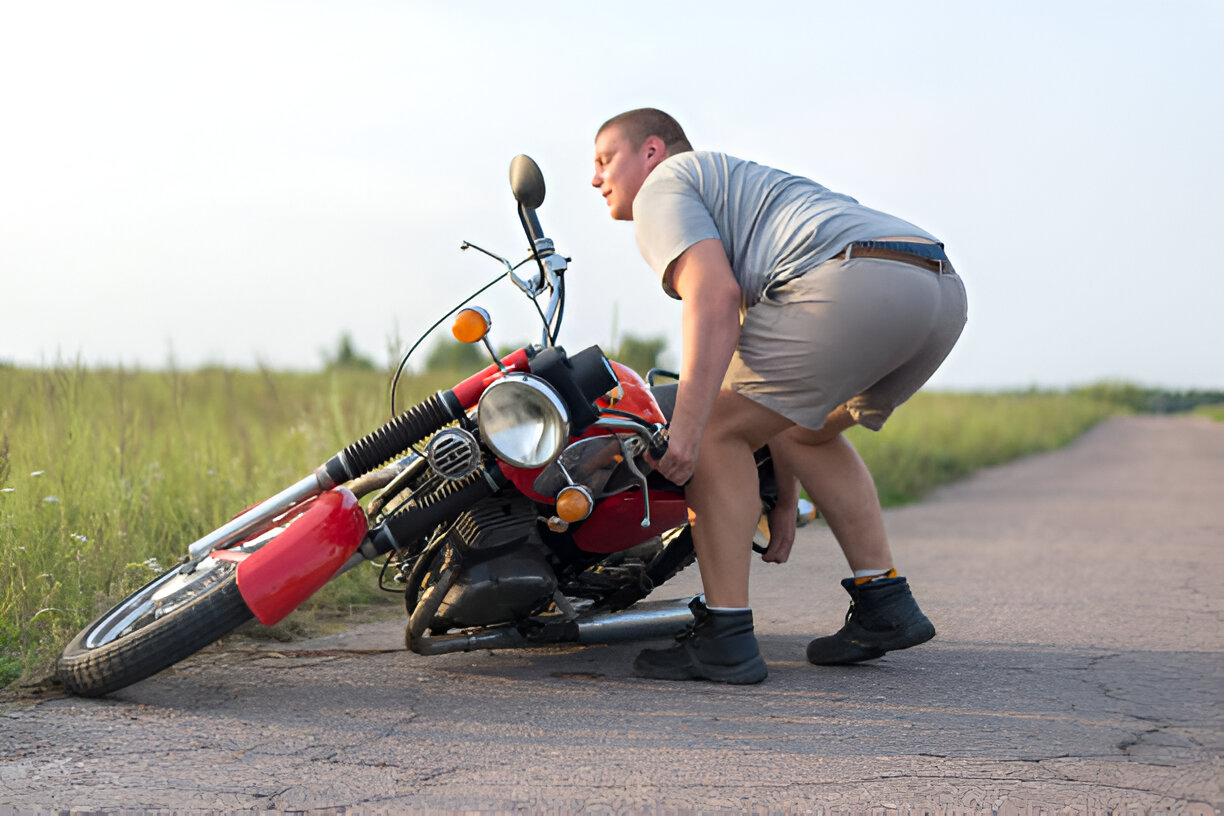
(669, 217)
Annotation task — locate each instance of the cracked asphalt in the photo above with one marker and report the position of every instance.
(1077, 669)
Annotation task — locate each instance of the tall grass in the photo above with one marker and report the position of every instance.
(108, 474)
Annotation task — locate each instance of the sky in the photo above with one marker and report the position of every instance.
(241, 183)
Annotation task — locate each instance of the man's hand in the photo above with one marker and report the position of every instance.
(680, 460)
(782, 524)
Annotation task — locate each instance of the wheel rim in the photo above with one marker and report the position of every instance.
(157, 599)
(166, 593)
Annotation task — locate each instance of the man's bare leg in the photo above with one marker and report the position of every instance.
(723, 497)
(883, 615)
(722, 645)
(839, 484)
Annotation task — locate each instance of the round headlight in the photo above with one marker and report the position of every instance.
(523, 420)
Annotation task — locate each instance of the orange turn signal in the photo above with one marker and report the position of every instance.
(574, 503)
(471, 325)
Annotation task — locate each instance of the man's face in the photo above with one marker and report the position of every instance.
(620, 170)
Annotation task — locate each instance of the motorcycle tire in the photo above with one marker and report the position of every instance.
(166, 620)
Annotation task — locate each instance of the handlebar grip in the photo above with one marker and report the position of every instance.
(658, 449)
(658, 444)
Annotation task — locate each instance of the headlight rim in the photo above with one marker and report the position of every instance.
(552, 398)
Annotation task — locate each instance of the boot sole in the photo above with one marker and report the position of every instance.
(914, 637)
(744, 674)
(918, 634)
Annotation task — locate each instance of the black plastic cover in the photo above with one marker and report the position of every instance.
(579, 379)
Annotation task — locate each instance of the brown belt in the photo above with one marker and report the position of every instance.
(884, 254)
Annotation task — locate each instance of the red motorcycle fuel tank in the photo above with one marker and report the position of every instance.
(632, 395)
(276, 578)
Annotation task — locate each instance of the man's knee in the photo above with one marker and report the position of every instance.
(739, 417)
(838, 420)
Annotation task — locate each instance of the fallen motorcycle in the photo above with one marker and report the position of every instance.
(517, 508)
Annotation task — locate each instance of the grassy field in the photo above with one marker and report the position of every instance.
(1215, 412)
(107, 475)
(938, 438)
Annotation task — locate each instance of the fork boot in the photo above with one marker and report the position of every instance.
(720, 646)
(883, 617)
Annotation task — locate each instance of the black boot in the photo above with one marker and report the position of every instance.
(720, 646)
(883, 617)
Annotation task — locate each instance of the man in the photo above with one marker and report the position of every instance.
(804, 313)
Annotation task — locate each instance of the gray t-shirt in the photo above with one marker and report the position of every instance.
(774, 226)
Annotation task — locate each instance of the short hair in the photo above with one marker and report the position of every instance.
(642, 123)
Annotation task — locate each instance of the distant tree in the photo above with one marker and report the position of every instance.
(449, 354)
(505, 349)
(640, 353)
(1148, 400)
(347, 356)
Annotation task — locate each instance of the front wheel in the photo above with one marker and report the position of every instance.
(166, 620)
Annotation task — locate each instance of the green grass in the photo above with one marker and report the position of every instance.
(108, 474)
(938, 438)
(1215, 412)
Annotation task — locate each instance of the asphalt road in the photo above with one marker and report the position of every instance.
(1078, 668)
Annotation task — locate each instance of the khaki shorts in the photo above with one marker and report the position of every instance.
(865, 333)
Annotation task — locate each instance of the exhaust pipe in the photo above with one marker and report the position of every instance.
(644, 621)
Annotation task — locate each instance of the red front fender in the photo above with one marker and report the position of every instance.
(290, 568)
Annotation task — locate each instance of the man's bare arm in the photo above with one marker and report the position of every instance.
(710, 314)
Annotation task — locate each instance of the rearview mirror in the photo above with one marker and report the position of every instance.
(527, 182)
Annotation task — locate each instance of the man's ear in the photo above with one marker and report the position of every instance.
(654, 150)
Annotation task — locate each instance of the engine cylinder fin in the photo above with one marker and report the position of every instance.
(422, 514)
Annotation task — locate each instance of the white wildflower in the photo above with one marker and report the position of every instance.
(151, 563)
(38, 473)
(51, 499)
(79, 537)
(8, 490)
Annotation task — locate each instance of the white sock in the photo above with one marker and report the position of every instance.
(701, 598)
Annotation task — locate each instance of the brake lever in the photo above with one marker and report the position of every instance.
(631, 447)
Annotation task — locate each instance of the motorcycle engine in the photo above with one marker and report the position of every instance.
(505, 575)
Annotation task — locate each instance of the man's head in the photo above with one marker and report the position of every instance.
(627, 148)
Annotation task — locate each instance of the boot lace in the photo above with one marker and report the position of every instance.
(690, 630)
